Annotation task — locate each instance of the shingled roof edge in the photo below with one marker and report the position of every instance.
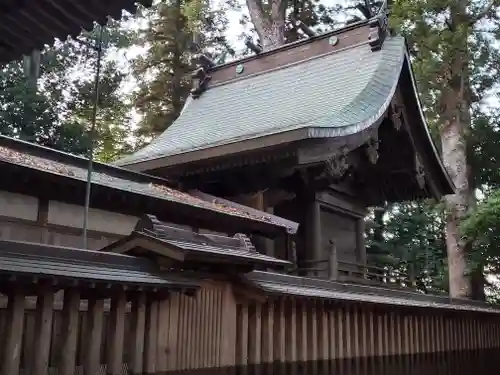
(307, 287)
(115, 171)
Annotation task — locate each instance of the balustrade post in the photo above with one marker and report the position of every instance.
(332, 261)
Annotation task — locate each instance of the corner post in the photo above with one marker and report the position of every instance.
(332, 261)
(314, 233)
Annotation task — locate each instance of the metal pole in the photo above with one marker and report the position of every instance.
(92, 135)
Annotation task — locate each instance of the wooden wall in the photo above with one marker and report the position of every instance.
(214, 331)
(30, 219)
(323, 337)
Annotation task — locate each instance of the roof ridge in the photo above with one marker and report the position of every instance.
(286, 66)
(372, 21)
(291, 45)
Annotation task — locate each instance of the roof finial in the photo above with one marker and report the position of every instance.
(256, 48)
(303, 27)
(378, 27)
(203, 65)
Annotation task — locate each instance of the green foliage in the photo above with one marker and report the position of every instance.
(483, 227)
(56, 111)
(163, 72)
(409, 238)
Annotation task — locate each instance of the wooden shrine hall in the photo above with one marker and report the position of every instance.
(315, 131)
(215, 270)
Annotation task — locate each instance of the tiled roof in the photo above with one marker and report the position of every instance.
(330, 95)
(29, 25)
(323, 289)
(74, 167)
(195, 247)
(39, 260)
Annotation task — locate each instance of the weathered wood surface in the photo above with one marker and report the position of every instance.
(214, 331)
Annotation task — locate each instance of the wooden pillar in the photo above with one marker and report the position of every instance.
(71, 311)
(360, 240)
(95, 318)
(43, 330)
(116, 332)
(313, 228)
(138, 318)
(151, 329)
(333, 261)
(13, 333)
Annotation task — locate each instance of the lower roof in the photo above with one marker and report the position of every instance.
(182, 246)
(39, 261)
(26, 25)
(281, 284)
(119, 182)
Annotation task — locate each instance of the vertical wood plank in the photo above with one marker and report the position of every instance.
(138, 321)
(279, 334)
(13, 333)
(94, 336)
(341, 342)
(151, 335)
(312, 342)
(173, 332)
(28, 341)
(291, 336)
(70, 324)
(116, 333)
(229, 324)
(242, 336)
(162, 344)
(267, 353)
(43, 331)
(255, 332)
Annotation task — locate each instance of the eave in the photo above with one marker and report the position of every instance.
(37, 170)
(175, 248)
(33, 263)
(303, 287)
(29, 25)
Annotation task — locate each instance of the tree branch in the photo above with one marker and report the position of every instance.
(484, 12)
(257, 15)
(278, 8)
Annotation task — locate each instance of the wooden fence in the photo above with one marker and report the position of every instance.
(217, 331)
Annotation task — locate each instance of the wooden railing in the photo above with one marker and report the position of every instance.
(335, 269)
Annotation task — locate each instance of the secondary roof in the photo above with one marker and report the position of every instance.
(119, 189)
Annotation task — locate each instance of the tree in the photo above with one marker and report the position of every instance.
(269, 21)
(452, 56)
(408, 239)
(163, 72)
(55, 110)
(275, 22)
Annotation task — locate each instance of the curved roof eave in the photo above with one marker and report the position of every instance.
(448, 187)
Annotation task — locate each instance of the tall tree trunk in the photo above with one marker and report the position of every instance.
(456, 121)
(270, 26)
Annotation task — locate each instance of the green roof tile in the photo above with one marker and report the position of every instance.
(331, 95)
